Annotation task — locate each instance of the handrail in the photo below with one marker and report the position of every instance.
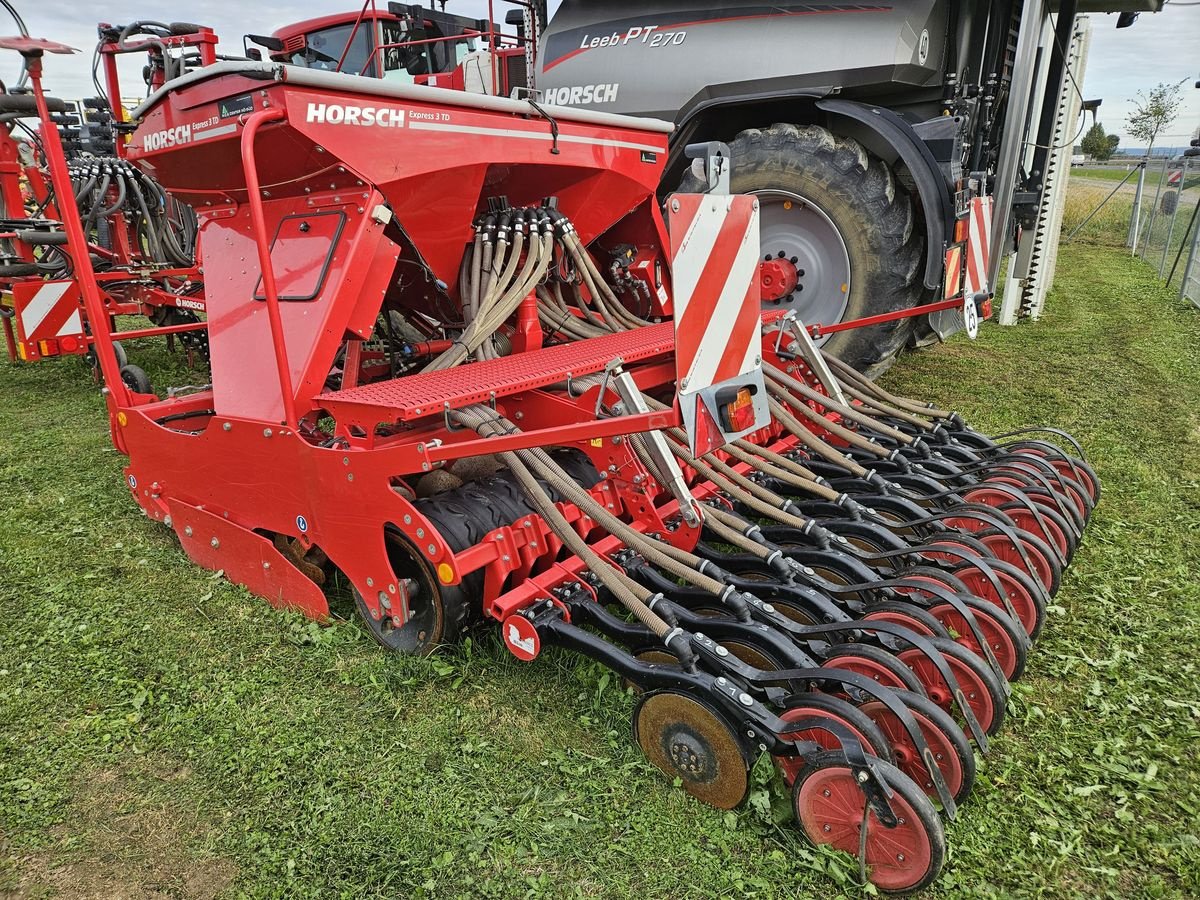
(258, 221)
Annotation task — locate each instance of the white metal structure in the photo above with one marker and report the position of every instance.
(1031, 270)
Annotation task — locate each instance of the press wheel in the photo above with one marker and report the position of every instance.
(832, 810)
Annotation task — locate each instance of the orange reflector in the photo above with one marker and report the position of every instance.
(445, 573)
(738, 415)
(122, 419)
(953, 282)
(961, 229)
(48, 347)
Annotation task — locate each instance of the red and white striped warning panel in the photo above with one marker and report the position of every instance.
(49, 318)
(979, 241)
(718, 353)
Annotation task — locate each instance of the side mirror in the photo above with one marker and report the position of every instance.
(274, 44)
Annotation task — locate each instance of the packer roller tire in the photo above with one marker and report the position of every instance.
(136, 379)
(832, 811)
(440, 613)
(840, 214)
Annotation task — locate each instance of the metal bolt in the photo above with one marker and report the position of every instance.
(721, 651)
(349, 476)
(432, 550)
(720, 681)
(745, 700)
(227, 426)
(215, 543)
(370, 582)
(862, 777)
(267, 432)
(167, 521)
(420, 532)
(266, 565)
(188, 530)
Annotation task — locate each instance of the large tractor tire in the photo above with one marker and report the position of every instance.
(838, 236)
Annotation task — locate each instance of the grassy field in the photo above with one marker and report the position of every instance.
(164, 734)
(1118, 173)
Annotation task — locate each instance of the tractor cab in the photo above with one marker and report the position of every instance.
(407, 43)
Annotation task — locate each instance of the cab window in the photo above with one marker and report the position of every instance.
(325, 47)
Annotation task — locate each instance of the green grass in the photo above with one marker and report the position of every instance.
(1118, 173)
(162, 733)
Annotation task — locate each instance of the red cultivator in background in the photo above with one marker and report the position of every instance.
(461, 356)
(141, 241)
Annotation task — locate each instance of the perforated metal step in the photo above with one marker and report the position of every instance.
(424, 394)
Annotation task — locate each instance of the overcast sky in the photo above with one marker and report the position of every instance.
(1163, 47)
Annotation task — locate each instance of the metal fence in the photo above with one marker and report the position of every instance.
(1151, 207)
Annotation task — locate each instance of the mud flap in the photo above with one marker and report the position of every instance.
(246, 558)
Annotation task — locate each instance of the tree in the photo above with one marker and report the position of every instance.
(1154, 111)
(1097, 144)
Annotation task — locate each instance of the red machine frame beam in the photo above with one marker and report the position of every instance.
(60, 177)
(262, 241)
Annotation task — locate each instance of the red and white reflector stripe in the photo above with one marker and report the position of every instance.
(714, 270)
(47, 310)
(979, 239)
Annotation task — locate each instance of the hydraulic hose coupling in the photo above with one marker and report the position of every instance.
(921, 446)
(732, 598)
(852, 506)
(822, 536)
(678, 642)
(878, 481)
(779, 564)
(656, 604)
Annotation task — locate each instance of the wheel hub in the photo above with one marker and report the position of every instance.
(799, 237)
(690, 756)
(777, 278)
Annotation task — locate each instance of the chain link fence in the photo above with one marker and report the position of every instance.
(1150, 207)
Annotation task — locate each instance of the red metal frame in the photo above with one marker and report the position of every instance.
(244, 459)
